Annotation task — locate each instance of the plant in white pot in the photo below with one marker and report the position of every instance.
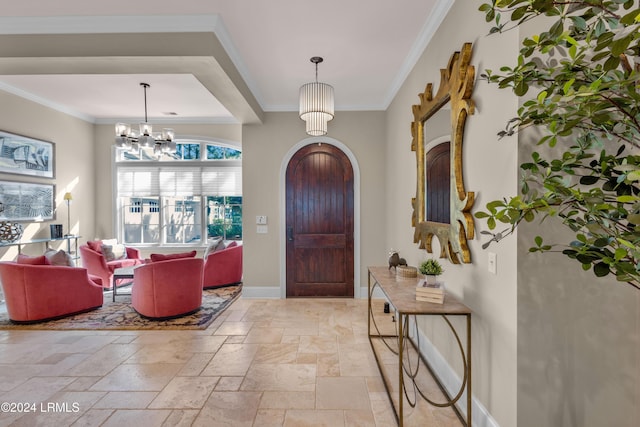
(431, 269)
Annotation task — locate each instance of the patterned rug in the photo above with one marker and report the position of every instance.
(120, 314)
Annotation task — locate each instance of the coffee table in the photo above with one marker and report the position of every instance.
(121, 273)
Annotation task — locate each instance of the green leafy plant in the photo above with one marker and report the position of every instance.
(431, 267)
(584, 72)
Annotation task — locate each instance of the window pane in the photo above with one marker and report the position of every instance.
(182, 218)
(188, 151)
(140, 219)
(215, 152)
(231, 153)
(224, 217)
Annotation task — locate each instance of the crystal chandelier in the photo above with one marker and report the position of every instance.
(316, 104)
(129, 139)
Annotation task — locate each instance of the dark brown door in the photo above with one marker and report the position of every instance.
(319, 223)
(437, 166)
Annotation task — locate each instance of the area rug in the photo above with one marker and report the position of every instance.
(120, 315)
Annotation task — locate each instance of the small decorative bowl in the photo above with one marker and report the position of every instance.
(10, 231)
(406, 271)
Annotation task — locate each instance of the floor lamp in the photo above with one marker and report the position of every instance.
(67, 199)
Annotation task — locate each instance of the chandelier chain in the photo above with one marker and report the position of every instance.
(145, 86)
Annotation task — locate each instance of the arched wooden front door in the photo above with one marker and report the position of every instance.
(320, 217)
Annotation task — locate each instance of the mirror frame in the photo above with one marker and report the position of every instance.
(456, 86)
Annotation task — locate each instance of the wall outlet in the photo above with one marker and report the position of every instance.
(261, 219)
(262, 229)
(493, 261)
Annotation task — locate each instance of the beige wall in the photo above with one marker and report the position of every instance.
(578, 336)
(489, 171)
(74, 165)
(265, 148)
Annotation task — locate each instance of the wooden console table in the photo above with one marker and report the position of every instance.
(400, 293)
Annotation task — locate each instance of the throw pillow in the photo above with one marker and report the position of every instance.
(110, 242)
(95, 245)
(216, 245)
(162, 257)
(59, 258)
(113, 252)
(28, 260)
(232, 244)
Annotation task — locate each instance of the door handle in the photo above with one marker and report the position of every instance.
(290, 234)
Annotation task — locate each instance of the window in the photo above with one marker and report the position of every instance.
(188, 151)
(135, 206)
(142, 223)
(181, 200)
(183, 220)
(224, 217)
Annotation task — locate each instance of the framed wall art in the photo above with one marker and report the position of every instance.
(25, 201)
(26, 156)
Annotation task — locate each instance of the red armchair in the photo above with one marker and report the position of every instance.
(95, 263)
(36, 293)
(167, 289)
(223, 267)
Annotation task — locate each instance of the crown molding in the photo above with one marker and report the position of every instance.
(424, 38)
(109, 24)
(45, 103)
(170, 120)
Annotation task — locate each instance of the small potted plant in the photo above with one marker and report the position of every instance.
(431, 269)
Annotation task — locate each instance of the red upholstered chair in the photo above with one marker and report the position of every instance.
(95, 262)
(223, 267)
(167, 289)
(36, 293)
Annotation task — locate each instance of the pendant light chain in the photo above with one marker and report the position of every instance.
(145, 86)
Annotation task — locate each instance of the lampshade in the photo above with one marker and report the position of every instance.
(67, 197)
(316, 104)
(316, 107)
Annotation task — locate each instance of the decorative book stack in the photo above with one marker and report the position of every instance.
(433, 292)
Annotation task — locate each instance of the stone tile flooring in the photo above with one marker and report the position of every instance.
(293, 362)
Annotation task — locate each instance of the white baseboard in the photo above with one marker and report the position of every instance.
(274, 292)
(260, 292)
(452, 382)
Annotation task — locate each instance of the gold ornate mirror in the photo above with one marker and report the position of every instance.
(456, 87)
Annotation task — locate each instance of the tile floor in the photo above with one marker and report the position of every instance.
(294, 362)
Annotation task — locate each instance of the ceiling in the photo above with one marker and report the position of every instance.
(209, 60)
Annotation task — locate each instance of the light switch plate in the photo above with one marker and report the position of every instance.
(492, 265)
(261, 219)
(262, 229)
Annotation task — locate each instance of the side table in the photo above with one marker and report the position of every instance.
(121, 273)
